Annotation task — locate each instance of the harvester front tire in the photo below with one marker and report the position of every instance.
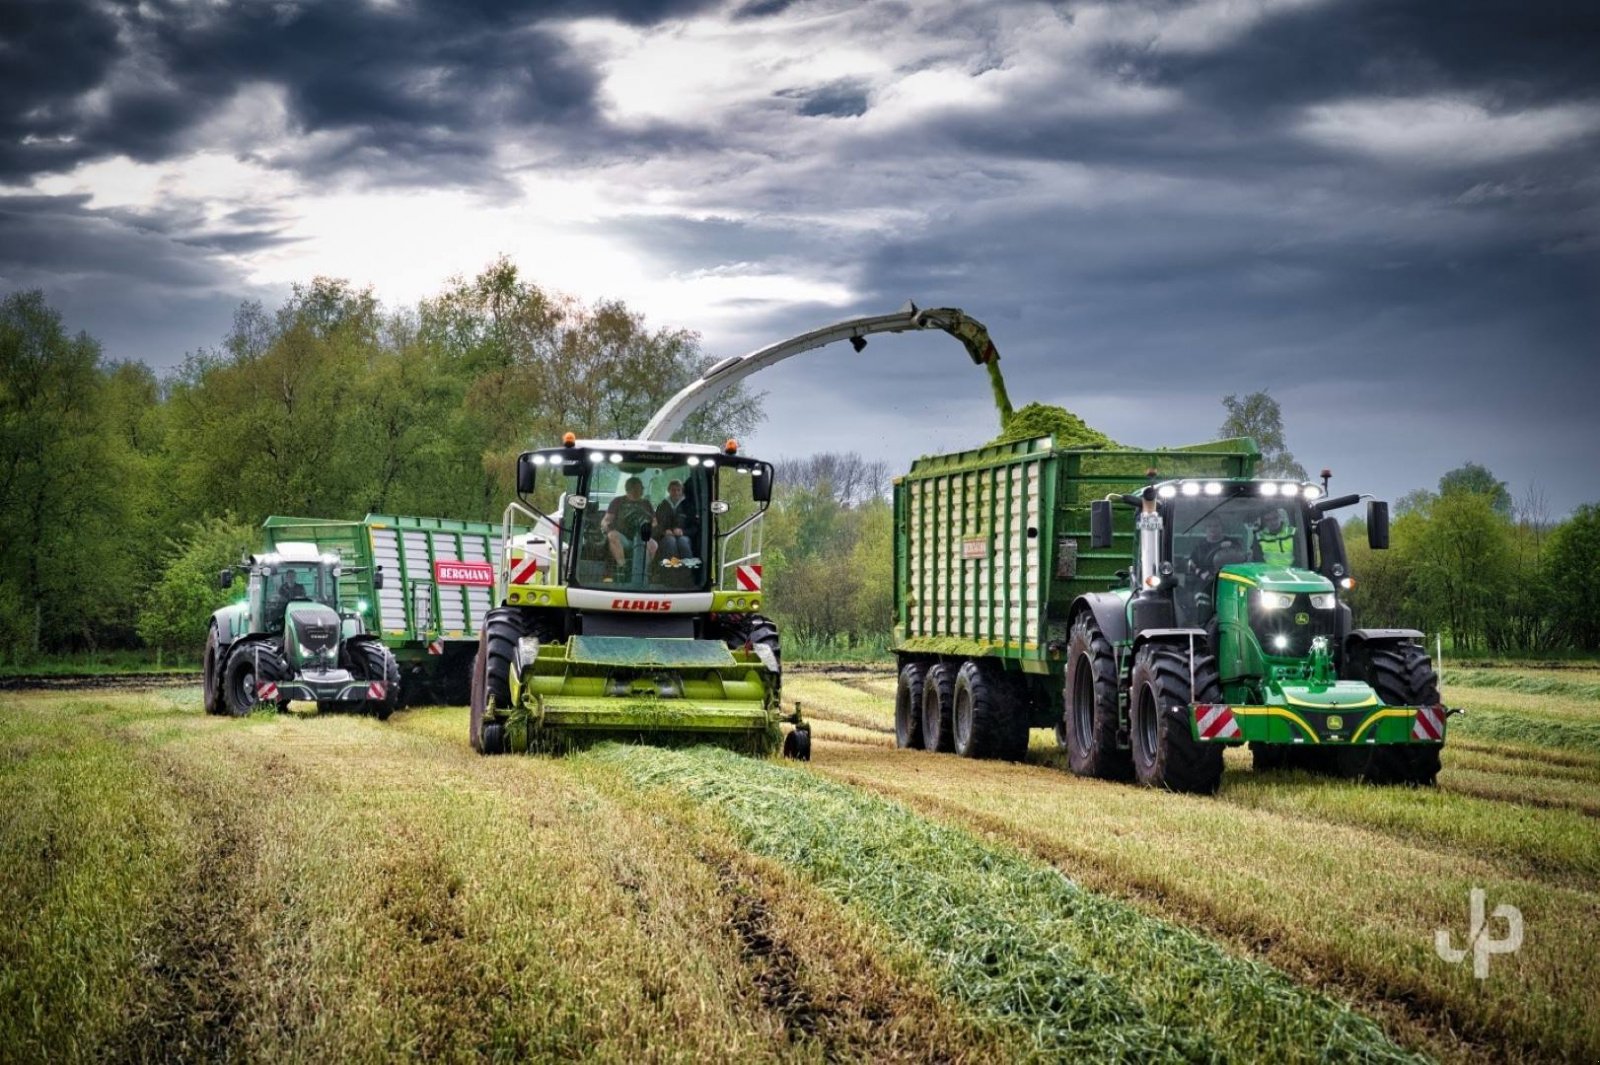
(502, 628)
(1090, 718)
(1165, 752)
(908, 706)
(938, 699)
(211, 676)
(980, 715)
(250, 664)
(797, 745)
(1403, 675)
(375, 662)
(494, 738)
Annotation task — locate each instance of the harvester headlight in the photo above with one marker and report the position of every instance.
(1268, 488)
(1322, 601)
(597, 456)
(1213, 488)
(694, 460)
(1276, 601)
(1289, 490)
(1190, 488)
(1166, 491)
(616, 456)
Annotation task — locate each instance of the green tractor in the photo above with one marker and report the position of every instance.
(288, 639)
(633, 612)
(1232, 629)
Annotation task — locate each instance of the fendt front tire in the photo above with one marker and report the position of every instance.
(1090, 718)
(375, 662)
(211, 675)
(250, 664)
(1403, 675)
(1165, 752)
(938, 699)
(908, 706)
(980, 714)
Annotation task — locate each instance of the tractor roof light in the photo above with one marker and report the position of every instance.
(694, 460)
(539, 460)
(1167, 491)
(1213, 488)
(1268, 488)
(1311, 491)
(616, 456)
(1289, 491)
(1190, 488)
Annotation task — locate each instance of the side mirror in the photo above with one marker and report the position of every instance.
(225, 580)
(1377, 525)
(1100, 524)
(1330, 550)
(761, 483)
(527, 474)
(377, 579)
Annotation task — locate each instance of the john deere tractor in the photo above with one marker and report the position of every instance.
(1232, 629)
(289, 639)
(634, 611)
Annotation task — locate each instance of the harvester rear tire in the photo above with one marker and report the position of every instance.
(908, 706)
(372, 661)
(938, 699)
(250, 664)
(1090, 718)
(211, 675)
(1403, 675)
(980, 714)
(1165, 752)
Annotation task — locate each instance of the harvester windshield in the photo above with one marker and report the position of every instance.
(644, 524)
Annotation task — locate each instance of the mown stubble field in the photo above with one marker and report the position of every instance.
(180, 887)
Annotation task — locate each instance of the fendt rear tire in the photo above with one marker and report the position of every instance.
(250, 664)
(938, 698)
(980, 713)
(1165, 752)
(372, 661)
(1402, 674)
(908, 706)
(1089, 721)
(211, 676)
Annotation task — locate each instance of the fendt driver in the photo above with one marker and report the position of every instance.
(636, 614)
(1231, 629)
(289, 639)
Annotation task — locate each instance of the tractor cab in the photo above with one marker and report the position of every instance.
(293, 573)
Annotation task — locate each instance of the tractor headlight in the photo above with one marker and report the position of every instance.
(361, 606)
(1276, 601)
(1280, 643)
(1322, 601)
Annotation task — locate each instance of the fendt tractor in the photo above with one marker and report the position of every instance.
(290, 639)
(1205, 612)
(636, 614)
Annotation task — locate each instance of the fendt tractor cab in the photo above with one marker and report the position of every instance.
(290, 638)
(1232, 629)
(633, 611)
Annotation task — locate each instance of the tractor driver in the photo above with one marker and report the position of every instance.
(1274, 540)
(625, 517)
(1202, 560)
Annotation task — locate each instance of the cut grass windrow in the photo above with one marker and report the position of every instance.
(1081, 973)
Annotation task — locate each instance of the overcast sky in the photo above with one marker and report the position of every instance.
(1387, 213)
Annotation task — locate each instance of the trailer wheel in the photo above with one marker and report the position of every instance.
(980, 713)
(938, 699)
(251, 664)
(1165, 752)
(1402, 674)
(1090, 716)
(908, 706)
(211, 676)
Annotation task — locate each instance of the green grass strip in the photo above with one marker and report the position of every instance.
(1522, 682)
(1012, 938)
(1511, 726)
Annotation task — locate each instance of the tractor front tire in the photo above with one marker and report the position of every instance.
(211, 675)
(938, 699)
(250, 664)
(908, 706)
(980, 713)
(375, 663)
(1403, 675)
(1090, 718)
(1165, 752)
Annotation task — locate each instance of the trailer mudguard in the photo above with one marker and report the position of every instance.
(1110, 612)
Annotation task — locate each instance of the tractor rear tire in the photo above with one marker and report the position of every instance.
(938, 699)
(980, 712)
(908, 706)
(211, 676)
(250, 664)
(1402, 674)
(1090, 717)
(373, 663)
(1165, 752)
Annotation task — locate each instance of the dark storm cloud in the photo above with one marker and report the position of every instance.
(409, 91)
(838, 99)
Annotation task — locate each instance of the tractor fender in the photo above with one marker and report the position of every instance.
(1110, 612)
(1359, 637)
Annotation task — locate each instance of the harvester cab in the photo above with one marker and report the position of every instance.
(1232, 628)
(290, 638)
(633, 608)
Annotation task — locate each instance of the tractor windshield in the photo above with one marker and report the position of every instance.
(289, 582)
(1210, 532)
(645, 525)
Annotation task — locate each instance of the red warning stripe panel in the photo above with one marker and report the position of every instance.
(1429, 724)
(376, 690)
(436, 647)
(748, 578)
(267, 692)
(524, 569)
(1215, 721)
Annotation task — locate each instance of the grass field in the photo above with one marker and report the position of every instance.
(178, 886)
